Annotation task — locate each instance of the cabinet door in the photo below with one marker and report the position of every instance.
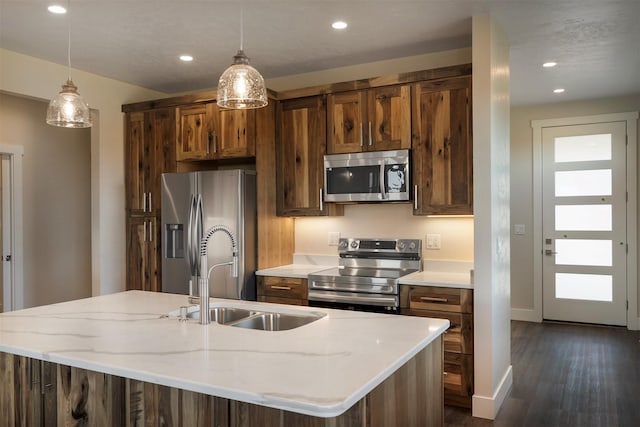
(300, 147)
(162, 132)
(235, 134)
(346, 116)
(442, 147)
(195, 132)
(137, 163)
(143, 237)
(388, 124)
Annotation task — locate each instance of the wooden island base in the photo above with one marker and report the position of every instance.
(412, 396)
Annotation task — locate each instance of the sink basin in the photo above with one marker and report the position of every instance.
(251, 318)
(276, 321)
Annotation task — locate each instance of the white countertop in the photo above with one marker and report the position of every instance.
(300, 271)
(438, 278)
(320, 369)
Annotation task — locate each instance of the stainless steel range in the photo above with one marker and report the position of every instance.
(367, 276)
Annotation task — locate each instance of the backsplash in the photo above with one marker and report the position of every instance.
(388, 221)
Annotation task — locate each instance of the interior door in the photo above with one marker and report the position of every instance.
(584, 223)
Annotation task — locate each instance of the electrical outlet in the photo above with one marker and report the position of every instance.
(433, 241)
(333, 238)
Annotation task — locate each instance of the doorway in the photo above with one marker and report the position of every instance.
(11, 295)
(584, 264)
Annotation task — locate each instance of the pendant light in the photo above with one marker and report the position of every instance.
(241, 86)
(68, 109)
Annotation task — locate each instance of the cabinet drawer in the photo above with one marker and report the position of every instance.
(283, 287)
(459, 337)
(458, 375)
(436, 298)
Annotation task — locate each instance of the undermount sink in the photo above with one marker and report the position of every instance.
(253, 319)
(276, 321)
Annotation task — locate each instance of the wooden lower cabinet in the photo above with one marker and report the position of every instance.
(412, 396)
(283, 290)
(143, 253)
(456, 305)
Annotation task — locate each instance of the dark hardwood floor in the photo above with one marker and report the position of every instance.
(568, 375)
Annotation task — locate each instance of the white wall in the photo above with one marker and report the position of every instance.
(492, 326)
(56, 202)
(35, 78)
(522, 287)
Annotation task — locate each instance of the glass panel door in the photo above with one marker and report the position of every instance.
(584, 223)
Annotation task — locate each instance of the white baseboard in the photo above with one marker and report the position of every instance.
(488, 407)
(526, 315)
(634, 324)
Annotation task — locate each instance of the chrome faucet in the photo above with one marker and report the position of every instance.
(205, 314)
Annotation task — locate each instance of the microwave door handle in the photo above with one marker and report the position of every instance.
(382, 183)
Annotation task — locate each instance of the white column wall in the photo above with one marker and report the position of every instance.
(492, 329)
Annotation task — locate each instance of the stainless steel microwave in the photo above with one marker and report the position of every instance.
(374, 176)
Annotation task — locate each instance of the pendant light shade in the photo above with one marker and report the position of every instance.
(68, 109)
(241, 86)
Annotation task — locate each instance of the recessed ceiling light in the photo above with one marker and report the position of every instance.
(549, 64)
(559, 90)
(54, 8)
(186, 58)
(339, 25)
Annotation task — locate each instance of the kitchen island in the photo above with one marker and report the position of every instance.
(121, 360)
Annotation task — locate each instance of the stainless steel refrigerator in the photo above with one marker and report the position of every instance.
(191, 204)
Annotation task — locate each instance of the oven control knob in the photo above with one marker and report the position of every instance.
(343, 244)
(354, 244)
(412, 246)
(401, 245)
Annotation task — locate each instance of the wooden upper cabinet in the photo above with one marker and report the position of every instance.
(138, 163)
(442, 147)
(150, 151)
(236, 134)
(195, 132)
(300, 147)
(369, 120)
(389, 118)
(207, 132)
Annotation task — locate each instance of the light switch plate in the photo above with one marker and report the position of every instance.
(518, 229)
(433, 241)
(333, 238)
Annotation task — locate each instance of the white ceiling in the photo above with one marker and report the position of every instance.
(595, 42)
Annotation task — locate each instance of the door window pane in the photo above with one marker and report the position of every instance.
(583, 217)
(589, 287)
(595, 182)
(584, 252)
(582, 148)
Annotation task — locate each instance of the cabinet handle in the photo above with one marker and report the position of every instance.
(150, 231)
(321, 204)
(215, 142)
(209, 139)
(144, 235)
(361, 135)
(434, 299)
(150, 205)
(415, 197)
(370, 138)
(281, 288)
(144, 202)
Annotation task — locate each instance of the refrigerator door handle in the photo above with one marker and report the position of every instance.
(190, 255)
(199, 231)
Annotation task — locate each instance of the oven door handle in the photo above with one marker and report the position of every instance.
(359, 299)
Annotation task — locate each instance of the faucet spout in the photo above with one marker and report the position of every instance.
(205, 315)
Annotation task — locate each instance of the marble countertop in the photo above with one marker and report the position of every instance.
(439, 279)
(300, 271)
(320, 369)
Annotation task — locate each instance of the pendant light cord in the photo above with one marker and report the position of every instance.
(69, 39)
(241, 27)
